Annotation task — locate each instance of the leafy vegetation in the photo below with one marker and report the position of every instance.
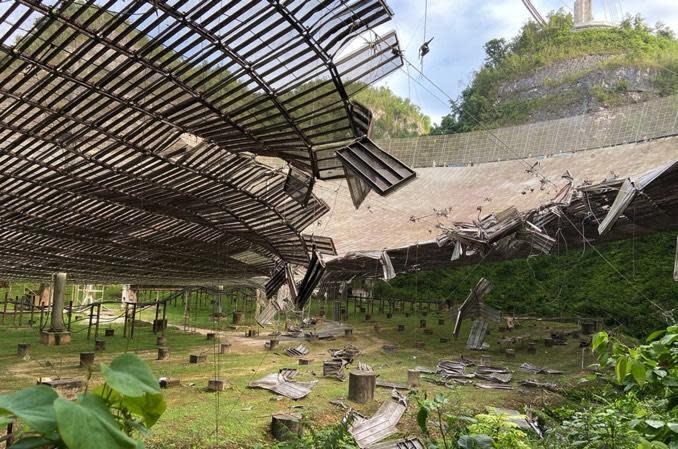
(633, 44)
(393, 116)
(650, 369)
(640, 415)
(575, 283)
(110, 417)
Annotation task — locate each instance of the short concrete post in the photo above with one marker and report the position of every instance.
(211, 336)
(272, 344)
(510, 353)
(163, 353)
(225, 347)
(99, 345)
(86, 359)
(413, 377)
(422, 324)
(485, 360)
(237, 317)
(197, 358)
(161, 340)
(23, 350)
(361, 385)
(348, 332)
(286, 426)
(401, 328)
(215, 385)
(109, 332)
(532, 348)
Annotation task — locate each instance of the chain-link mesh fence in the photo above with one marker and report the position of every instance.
(627, 124)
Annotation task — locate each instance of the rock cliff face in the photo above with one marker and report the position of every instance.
(579, 86)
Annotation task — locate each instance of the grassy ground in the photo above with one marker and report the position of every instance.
(243, 415)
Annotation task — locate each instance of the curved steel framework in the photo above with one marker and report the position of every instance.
(128, 131)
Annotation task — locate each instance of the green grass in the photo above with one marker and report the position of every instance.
(243, 414)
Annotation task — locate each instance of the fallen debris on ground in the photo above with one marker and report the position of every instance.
(347, 353)
(334, 368)
(530, 368)
(536, 384)
(299, 351)
(281, 383)
(382, 424)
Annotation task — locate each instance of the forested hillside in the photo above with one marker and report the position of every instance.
(576, 283)
(555, 71)
(393, 116)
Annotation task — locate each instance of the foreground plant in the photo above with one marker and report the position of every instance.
(112, 416)
(649, 369)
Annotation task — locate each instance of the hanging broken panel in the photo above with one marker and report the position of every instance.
(378, 169)
(276, 281)
(314, 274)
(299, 185)
(324, 245)
(356, 187)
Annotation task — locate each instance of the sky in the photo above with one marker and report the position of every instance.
(460, 28)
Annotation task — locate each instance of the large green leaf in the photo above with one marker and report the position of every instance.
(130, 376)
(33, 406)
(620, 369)
(638, 372)
(601, 338)
(655, 335)
(422, 417)
(33, 443)
(89, 424)
(149, 406)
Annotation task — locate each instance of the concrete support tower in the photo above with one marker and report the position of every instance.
(57, 334)
(583, 12)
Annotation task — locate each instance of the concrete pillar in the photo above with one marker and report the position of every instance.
(218, 307)
(583, 12)
(57, 322)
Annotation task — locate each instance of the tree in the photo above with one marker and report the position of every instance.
(495, 51)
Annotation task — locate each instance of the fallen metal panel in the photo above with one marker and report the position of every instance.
(281, 384)
(404, 443)
(381, 171)
(389, 384)
(380, 426)
(476, 337)
(334, 368)
(362, 366)
(530, 368)
(492, 386)
(299, 351)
